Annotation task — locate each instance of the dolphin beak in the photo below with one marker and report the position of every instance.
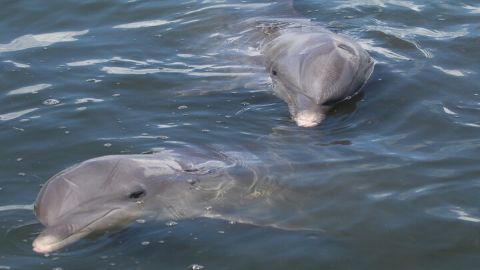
(308, 118)
(58, 236)
(51, 240)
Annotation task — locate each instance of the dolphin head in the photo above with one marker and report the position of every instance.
(94, 196)
(312, 71)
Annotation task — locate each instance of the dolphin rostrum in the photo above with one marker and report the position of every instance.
(107, 193)
(312, 69)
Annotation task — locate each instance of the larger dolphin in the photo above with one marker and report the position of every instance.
(312, 69)
(107, 193)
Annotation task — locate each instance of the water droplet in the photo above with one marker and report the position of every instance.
(196, 267)
(104, 257)
(22, 174)
(171, 223)
(141, 221)
(145, 243)
(221, 232)
(161, 242)
(51, 101)
(57, 268)
(208, 208)
(182, 107)
(19, 159)
(107, 145)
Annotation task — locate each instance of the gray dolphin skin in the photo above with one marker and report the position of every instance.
(107, 193)
(312, 69)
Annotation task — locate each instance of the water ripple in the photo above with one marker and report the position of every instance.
(17, 64)
(452, 72)
(379, 3)
(40, 40)
(32, 89)
(16, 207)
(244, 5)
(14, 115)
(409, 32)
(456, 212)
(142, 24)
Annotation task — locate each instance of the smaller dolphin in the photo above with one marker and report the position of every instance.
(313, 69)
(108, 193)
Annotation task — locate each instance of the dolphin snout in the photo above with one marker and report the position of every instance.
(308, 118)
(45, 243)
(56, 237)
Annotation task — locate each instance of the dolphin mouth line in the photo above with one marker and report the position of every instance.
(74, 236)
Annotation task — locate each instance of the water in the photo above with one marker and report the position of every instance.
(391, 176)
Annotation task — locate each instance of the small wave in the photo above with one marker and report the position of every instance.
(368, 45)
(86, 100)
(473, 10)
(130, 71)
(455, 212)
(40, 40)
(16, 207)
(245, 5)
(408, 33)
(32, 89)
(90, 62)
(16, 64)
(188, 71)
(379, 3)
(452, 72)
(142, 24)
(448, 111)
(14, 115)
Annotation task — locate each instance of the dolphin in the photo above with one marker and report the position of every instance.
(107, 193)
(312, 69)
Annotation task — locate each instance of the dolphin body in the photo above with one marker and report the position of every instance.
(312, 69)
(107, 193)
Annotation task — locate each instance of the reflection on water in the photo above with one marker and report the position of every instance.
(40, 40)
(391, 176)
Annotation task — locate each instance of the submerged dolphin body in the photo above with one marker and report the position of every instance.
(107, 193)
(312, 69)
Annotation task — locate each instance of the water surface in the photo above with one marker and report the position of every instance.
(391, 177)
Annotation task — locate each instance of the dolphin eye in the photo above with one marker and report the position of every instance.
(274, 72)
(137, 194)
